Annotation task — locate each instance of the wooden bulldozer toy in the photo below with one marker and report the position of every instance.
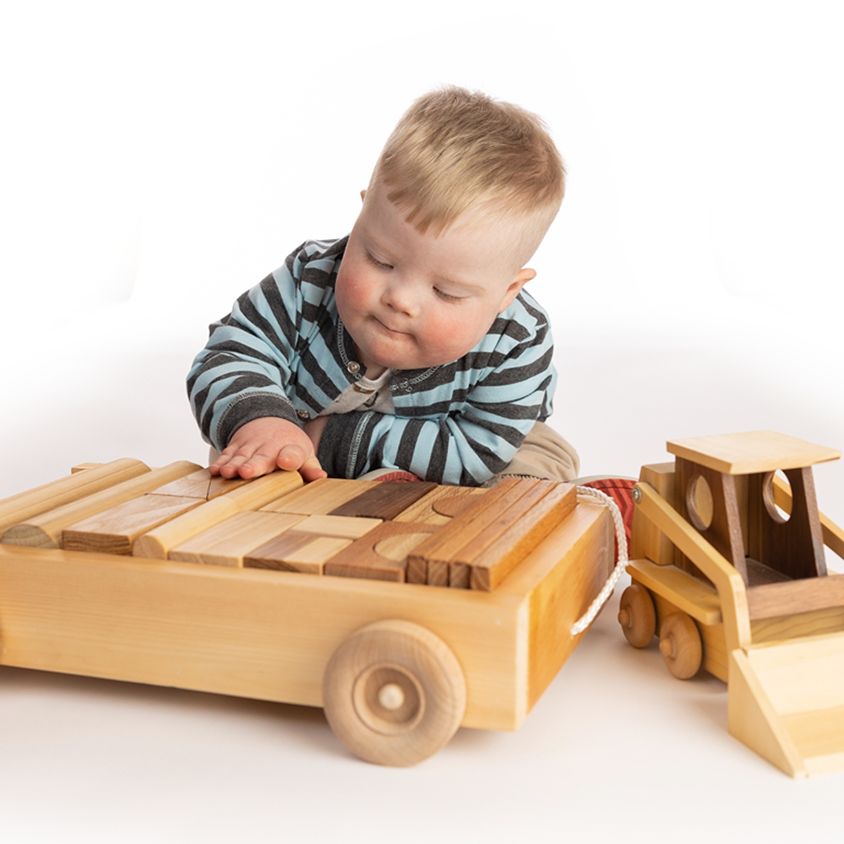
(728, 570)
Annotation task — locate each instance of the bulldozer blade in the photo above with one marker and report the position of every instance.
(786, 702)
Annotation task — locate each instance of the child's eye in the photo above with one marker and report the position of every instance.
(376, 263)
(446, 297)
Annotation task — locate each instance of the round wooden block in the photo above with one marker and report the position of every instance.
(394, 693)
(637, 616)
(680, 645)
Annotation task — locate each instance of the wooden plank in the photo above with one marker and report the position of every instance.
(770, 600)
(385, 500)
(45, 529)
(310, 544)
(499, 558)
(319, 497)
(227, 543)
(115, 530)
(645, 539)
(201, 484)
(296, 551)
(382, 553)
(429, 562)
(750, 452)
(440, 505)
(24, 505)
(688, 593)
(157, 543)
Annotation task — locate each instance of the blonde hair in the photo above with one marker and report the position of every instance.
(455, 150)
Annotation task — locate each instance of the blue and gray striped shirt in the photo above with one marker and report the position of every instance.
(283, 351)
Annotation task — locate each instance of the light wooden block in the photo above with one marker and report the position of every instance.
(346, 527)
(45, 529)
(157, 543)
(751, 452)
(201, 484)
(19, 508)
(319, 497)
(296, 551)
(115, 530)
(646, 540)
(440, 505)
(227, 543)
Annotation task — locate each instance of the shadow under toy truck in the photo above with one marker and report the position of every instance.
(404, 609)
(728, 570)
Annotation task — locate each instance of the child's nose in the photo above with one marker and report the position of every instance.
(399, 297)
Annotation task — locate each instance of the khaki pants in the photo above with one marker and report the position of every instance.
(544, 454)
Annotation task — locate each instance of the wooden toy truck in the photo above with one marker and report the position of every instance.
(729, 572)
(404, 609)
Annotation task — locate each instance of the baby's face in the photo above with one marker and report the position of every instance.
(412, 300)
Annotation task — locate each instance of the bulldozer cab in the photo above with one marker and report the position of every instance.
(752, 497)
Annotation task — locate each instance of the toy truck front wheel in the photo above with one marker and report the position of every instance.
(394, 693)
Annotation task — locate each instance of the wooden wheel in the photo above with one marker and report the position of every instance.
(680, 645)
(394, 693)
(637, 616)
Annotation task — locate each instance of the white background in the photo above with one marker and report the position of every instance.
(159, 158)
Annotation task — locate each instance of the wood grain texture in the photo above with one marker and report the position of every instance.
(157, 543)
(440, 505)
(227, 543)
(794, 546)
(296, 551)
(45, 529)
(750, 452)
(429, 563)
(385, 500)
(521, 536)
(724, 531)
(24, 505)
(115, 530)
(319, 497)
(366, 557)
(645, 540)
(201, 484)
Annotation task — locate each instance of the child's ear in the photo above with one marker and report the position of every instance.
(363, 195)
(522, 278)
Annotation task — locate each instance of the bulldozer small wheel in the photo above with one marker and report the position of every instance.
(680, 645)
(637, 616)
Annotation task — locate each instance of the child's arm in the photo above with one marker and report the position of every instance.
(266, 444)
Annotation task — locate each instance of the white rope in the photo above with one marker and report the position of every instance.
(621, 538)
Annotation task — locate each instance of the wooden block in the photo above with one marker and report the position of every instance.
(686, 592)
(227, 543)
(345, 527)
(751, 452)
(381, 554)
(429, 562)
(157, 543)
(310, 544)
(115, 530)
(297, 551)
(501, 557)
(45, 529)
(646, 541)
(81, 467)
(18, 508)
(201, 484)
(319, 497)
(385, 500)
(795, 596)
(440, 505)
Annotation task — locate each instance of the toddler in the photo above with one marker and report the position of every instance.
(411, 344)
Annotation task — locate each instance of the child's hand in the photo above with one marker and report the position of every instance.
(264, 445)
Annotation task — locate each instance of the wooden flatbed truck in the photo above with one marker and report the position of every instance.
(728, 570)
(405, 610)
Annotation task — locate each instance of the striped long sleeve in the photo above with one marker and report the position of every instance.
(283, 351)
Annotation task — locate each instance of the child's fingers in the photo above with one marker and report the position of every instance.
(310, 470)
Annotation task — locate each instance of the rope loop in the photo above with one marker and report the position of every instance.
(620, 567)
